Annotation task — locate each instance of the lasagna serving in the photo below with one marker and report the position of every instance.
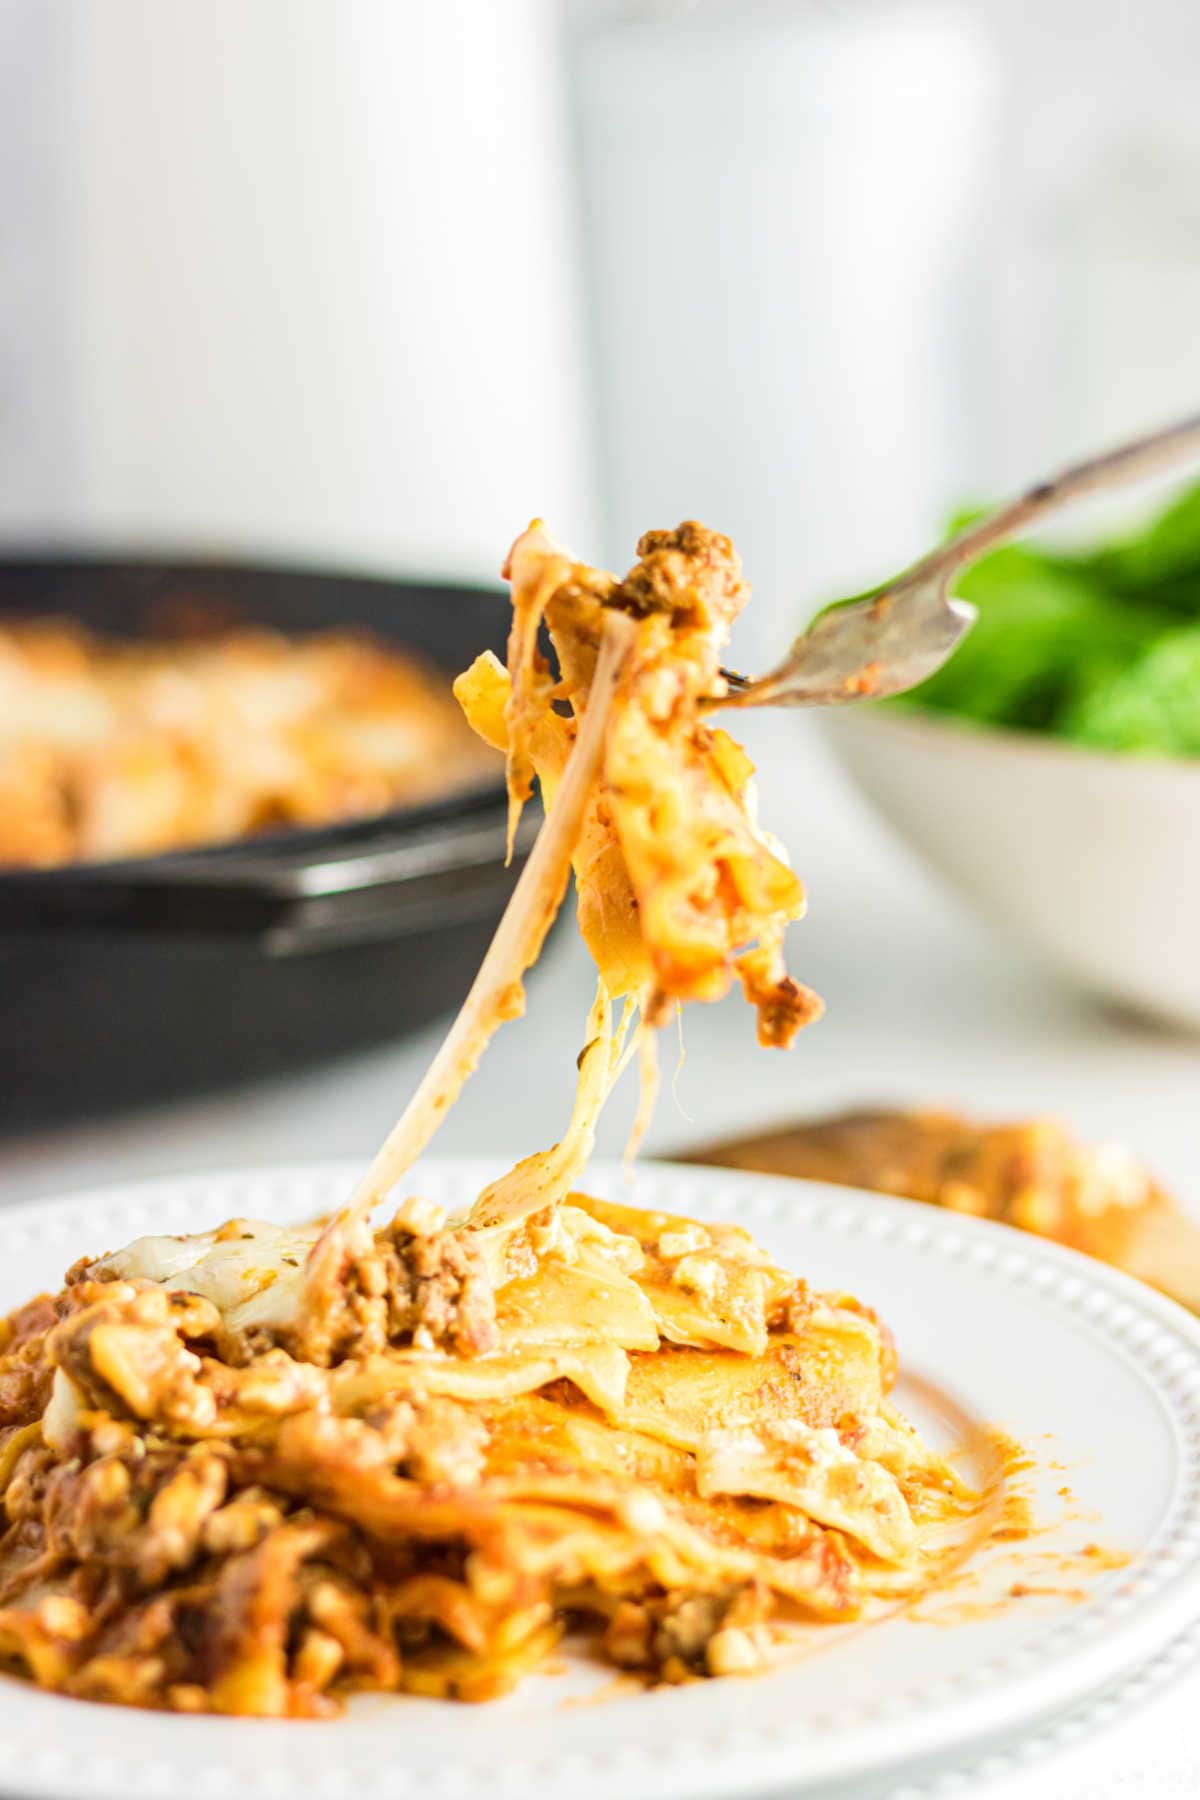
(254, 1470)
(112, 748)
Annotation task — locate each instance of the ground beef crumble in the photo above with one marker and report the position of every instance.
(429, 1289)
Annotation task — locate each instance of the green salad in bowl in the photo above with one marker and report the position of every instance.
(1050, 770)
(1100, 647)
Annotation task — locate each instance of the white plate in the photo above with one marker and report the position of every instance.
(1097, 1376)
(1004, 1761)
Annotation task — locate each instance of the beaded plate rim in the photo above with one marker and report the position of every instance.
(970, 1773)
(1077, 1657)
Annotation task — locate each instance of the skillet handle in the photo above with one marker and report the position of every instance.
(385, 883)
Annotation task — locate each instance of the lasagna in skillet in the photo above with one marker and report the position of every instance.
(115, 748)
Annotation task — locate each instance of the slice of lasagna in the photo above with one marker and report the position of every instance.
(255, 1469)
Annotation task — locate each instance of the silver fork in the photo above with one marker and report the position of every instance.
(898, 634)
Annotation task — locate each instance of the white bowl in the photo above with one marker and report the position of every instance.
(1091, 858)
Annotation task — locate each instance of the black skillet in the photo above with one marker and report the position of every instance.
(130, 982)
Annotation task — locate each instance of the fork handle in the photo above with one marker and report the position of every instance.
(1153, 454)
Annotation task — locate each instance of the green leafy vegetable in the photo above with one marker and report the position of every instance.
(1102, 646)
(1153, 705)
(1162, 562)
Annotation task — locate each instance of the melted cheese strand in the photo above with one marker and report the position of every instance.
(541, 1180)
(532, 592)
(649, 1084)
(496, 994)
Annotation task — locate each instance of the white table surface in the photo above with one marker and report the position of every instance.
(925, 1005)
